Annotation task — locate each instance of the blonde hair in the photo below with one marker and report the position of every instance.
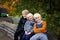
(30, 14)
(25, 11)
(37, 15)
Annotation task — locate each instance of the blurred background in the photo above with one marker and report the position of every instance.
(49, 9)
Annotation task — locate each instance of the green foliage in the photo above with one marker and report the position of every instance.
(49, 9)
(46, 9)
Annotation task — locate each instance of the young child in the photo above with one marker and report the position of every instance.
(28, 27)
(20, 27)
(39, 28)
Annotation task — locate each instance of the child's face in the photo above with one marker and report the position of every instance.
(37, 19)
(30, 18)
(24, 14)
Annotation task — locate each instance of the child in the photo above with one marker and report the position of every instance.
(39, 28)
(28, 27)
(20, 27)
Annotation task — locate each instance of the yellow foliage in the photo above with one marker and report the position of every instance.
(13, 3)
(9, 6)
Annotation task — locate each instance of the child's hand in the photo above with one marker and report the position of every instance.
(27, 33)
